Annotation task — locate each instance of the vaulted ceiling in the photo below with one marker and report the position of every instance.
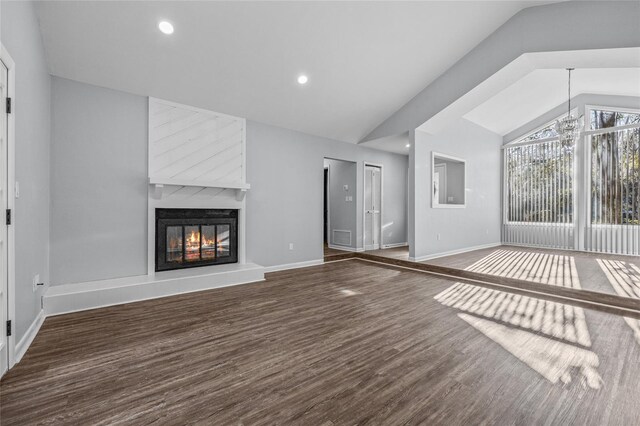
(364, 60)
(544, 89)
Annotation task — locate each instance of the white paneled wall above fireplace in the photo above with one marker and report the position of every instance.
(192, 147)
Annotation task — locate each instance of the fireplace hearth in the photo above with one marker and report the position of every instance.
(187, 238)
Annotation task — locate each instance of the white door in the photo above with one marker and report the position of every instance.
(4, 344)
(372, 207)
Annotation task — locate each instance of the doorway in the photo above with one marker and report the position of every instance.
(372, 207)
(340, 212)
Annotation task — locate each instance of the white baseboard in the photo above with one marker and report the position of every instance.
(29, 336)
(296, 265)
(452, 252)
(344, 248)
(394, 245)
(66, 298)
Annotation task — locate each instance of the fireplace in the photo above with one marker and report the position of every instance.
(187, 238)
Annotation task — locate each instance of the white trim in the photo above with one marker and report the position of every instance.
(11, 185)
(296, 265)
(66, 298)
(435, 204)
(30, 335)
(345, 248)
(394, 245)
(452, 252)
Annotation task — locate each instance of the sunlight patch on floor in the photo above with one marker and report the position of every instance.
(553, 359)
(554, 319)
(624, 277)
(551, 338)
(542, 268)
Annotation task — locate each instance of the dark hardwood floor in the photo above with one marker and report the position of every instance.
(342, 343)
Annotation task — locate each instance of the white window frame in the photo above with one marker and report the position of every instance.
(588, 132)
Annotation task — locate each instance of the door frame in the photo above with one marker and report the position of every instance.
(6, 59)
(364, 213)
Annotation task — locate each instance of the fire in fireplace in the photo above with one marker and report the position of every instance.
(187, 238)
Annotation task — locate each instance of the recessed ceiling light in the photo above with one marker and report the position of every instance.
(408, 145)
(302, 79)
(166, 27)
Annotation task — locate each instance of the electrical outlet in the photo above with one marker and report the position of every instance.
(438, 236)
(17, 190)
(36, 280)
(290, 246)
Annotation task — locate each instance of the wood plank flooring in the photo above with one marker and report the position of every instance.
(338, 344)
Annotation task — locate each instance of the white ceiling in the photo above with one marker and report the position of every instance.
(364, 59)
(544, 89)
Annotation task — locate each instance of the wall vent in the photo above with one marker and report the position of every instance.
(342, 237)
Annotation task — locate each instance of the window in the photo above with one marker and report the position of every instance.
(615, 169)
(542, 186)
(539, 183)
(549, 131)
(602, 119)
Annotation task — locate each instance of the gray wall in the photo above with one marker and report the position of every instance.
(21, 37)
(99, 187)
(285, 170)
(342, 213)
(459, 228)
(574, 25)
(98, 183)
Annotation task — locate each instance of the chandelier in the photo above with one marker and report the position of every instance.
(568, 128)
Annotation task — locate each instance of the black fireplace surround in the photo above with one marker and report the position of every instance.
(187, 238)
